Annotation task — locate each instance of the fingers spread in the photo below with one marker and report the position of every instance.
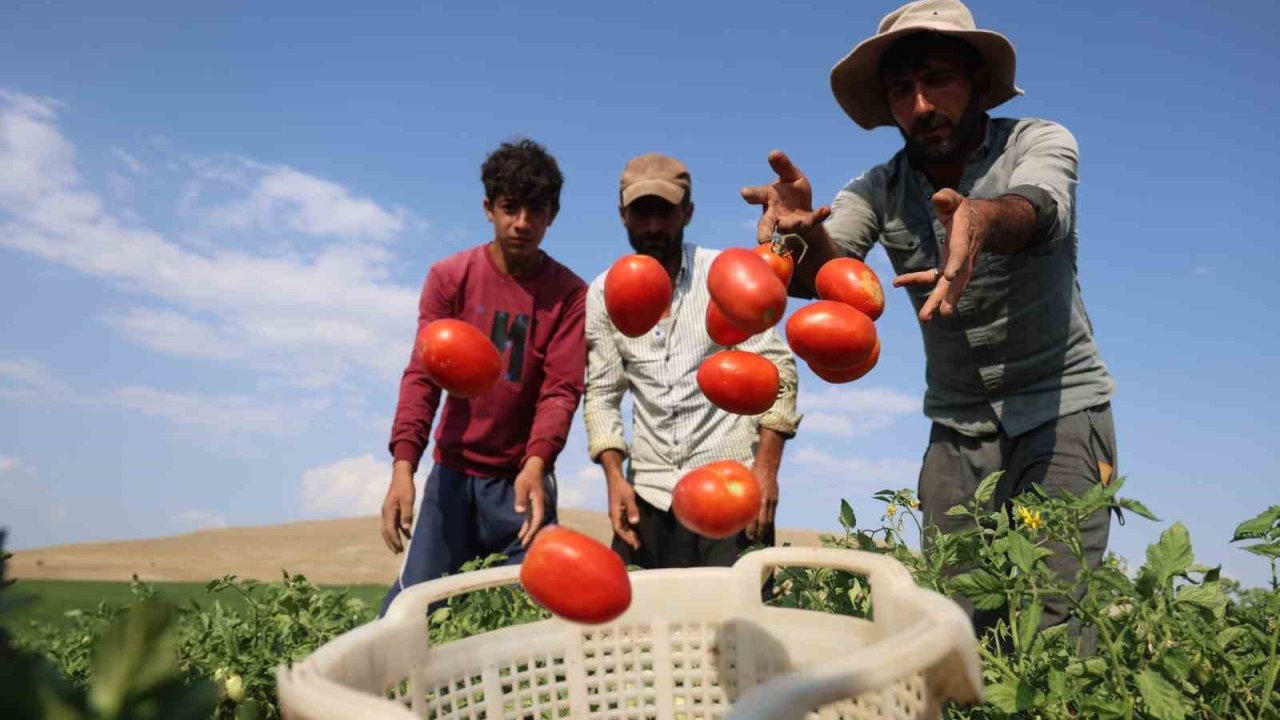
(923, 277)
(781, 165)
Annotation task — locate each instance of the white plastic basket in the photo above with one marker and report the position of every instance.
(695, 643)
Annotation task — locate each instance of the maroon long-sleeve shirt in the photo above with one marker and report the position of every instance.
(537, 322)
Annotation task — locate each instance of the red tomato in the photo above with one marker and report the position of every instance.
(575, 576)
(781, 265)
(850, 281)
(853, 373)
(831, 335)
(637, 290)
(458, 357)
(722, 331)
(746, 290)
(739, 382)
(718, 499)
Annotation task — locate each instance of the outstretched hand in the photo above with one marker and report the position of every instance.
(787, 203)
(966, 229)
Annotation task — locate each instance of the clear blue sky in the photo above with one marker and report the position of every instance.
(214, 222)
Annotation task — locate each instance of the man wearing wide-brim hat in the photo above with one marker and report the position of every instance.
(977, 215)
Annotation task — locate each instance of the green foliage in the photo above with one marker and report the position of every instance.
(485, 610)
(1175, 640)
(130, 670)
(233, 643)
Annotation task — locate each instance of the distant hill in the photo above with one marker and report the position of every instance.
(347, 551)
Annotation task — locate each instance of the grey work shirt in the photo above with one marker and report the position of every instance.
(1019, 351)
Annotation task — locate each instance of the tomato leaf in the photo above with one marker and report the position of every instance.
(1012, 697)
(1162, 699)
(984, 589)
(1258, 526)
(1208, 596)
(1137, 508)
(1021, 552)
(1271, 549)
(847, 518)
(1028, 625)
(987, 488)
(1172, 555)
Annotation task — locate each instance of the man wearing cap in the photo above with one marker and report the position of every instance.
(978, 216)
(675, 428)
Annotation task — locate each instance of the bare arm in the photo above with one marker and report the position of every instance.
(768, 460)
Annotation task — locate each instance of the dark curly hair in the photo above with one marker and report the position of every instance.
(524, 172)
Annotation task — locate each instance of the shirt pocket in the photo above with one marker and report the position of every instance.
(910, 247)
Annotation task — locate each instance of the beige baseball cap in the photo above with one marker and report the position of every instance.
(655, 174)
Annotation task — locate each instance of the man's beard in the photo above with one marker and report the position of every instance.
(951, 149)
(659, 246)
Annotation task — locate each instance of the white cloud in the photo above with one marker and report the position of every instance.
(353, 486)
(853, 411)
(1200, 271)
(227, 413)
(28, 379)
(175, 333)
(849, 474)
(200, 520)
(285, 198)
(582, 487)
(130, 162)
(313, 317)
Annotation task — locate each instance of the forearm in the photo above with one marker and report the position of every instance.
(1008, 222)
(769, 452)
(611, 460)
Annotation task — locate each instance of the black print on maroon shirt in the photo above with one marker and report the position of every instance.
(508, 333)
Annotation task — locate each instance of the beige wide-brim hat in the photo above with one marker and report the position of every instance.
(855, 80)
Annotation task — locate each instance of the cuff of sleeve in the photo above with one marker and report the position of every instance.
(405, 450)
(543, 449)
(783, 423)
(1047, 238)
(597, 446)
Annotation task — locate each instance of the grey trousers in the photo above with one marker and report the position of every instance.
(1073, 453)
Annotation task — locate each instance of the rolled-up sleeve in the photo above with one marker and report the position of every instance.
(854, 224)
(606, 381)
(784, 417)
(1046, 172)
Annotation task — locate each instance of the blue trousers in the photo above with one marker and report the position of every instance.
(463, 517)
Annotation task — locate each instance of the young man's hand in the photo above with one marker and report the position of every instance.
(531, 492)
(397, 508)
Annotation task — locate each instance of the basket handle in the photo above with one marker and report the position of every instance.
(884, 572)
(414, 600)
(940, 643)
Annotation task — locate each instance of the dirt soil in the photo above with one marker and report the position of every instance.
(328, 552)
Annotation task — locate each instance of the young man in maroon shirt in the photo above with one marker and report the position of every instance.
(492, 487)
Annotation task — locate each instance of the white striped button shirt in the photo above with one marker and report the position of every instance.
(675, 428)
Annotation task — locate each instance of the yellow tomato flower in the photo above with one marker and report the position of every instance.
(1031, 519)
(915, 503)
(892, 509)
